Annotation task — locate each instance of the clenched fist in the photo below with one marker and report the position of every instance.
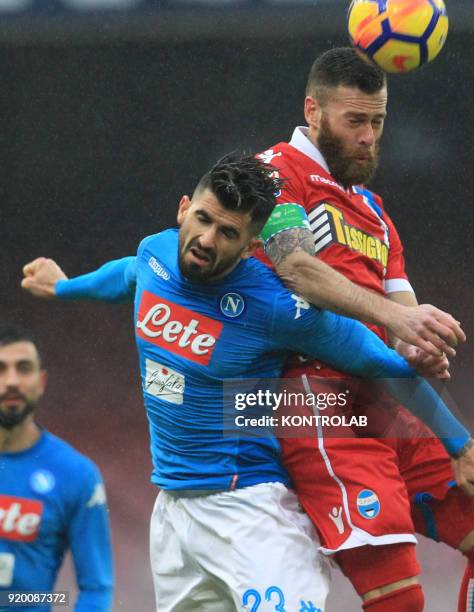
(41, 276)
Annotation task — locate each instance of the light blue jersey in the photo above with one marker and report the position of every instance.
(191, 337)
(52, 499)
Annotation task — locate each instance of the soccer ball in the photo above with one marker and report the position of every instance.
(398, 35)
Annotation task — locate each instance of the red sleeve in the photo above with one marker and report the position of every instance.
(396, 278)
(292, 189)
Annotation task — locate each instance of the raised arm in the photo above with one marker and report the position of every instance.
(292, 254)
(113, 282)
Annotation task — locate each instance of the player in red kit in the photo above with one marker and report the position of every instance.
(366, 495)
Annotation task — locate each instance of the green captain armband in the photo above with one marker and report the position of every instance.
(284, 217)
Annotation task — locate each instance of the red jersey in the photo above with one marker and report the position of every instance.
(352, 232)
(356, 490)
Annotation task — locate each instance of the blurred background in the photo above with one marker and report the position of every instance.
(111, 110)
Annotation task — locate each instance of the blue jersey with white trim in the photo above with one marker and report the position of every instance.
(52, 499)
(192, 337)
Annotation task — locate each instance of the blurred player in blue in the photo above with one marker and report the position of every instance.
(52, 498)
(227, 532)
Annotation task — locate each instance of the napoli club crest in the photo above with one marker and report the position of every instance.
(232, 305)
(368, 504)
(42, 481)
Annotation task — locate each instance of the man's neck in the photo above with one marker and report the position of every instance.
(19, 438)
(313, 136)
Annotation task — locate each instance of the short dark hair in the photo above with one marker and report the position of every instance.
(243, 183)
(10, 333)
(343, 66)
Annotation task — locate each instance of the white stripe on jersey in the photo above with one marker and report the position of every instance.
(323, 242)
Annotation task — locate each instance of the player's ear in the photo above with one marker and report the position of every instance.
(250, 249)
(43, 380)
(183, 206)
(312, 112)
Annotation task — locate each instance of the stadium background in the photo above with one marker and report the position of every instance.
(111, 109)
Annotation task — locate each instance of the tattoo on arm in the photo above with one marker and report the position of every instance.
(283, 244)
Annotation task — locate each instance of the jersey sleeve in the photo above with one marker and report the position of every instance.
(396, 278)
(115, 281)
(349, 346)
(343, 343)
(288, 228)
(90, 543)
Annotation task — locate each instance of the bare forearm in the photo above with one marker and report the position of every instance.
(325, 287)
(425, 326)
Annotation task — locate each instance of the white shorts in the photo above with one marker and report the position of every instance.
(252, 549)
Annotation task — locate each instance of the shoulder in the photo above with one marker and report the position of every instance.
(285, 158)
(260, 276)
(164, 239)
(272, 290)
(69, 459)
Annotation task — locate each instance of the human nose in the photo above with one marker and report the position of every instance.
(208, 238)
(367, 135)
(11, 378)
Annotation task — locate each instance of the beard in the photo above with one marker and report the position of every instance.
(343, 167)
(11, 417)
(213, 270)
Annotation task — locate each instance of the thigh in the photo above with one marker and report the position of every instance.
(180, 583)
(260, 544)
(354, 494)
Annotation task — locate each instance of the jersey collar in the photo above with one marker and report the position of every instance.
(300, 141)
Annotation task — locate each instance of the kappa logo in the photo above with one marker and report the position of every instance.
(98, 497)
(163, 382)
(368, 504)
(20, 518)
(336, 517)
(232, 305)
(158, 269)
(179, 330)
(300, 305)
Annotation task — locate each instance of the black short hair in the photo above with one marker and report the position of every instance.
(343, 66)
(243, 183)
(10, 333)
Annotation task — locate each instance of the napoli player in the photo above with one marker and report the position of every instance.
(226, 532)
(52, 498)
(333, 216)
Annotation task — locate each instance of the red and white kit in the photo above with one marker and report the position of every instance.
(356, 490)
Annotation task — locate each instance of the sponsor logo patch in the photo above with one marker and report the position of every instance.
(20, 518)
(7, 565)
(329, 226)
(368, 504)
(174, 328)
(163, 382)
